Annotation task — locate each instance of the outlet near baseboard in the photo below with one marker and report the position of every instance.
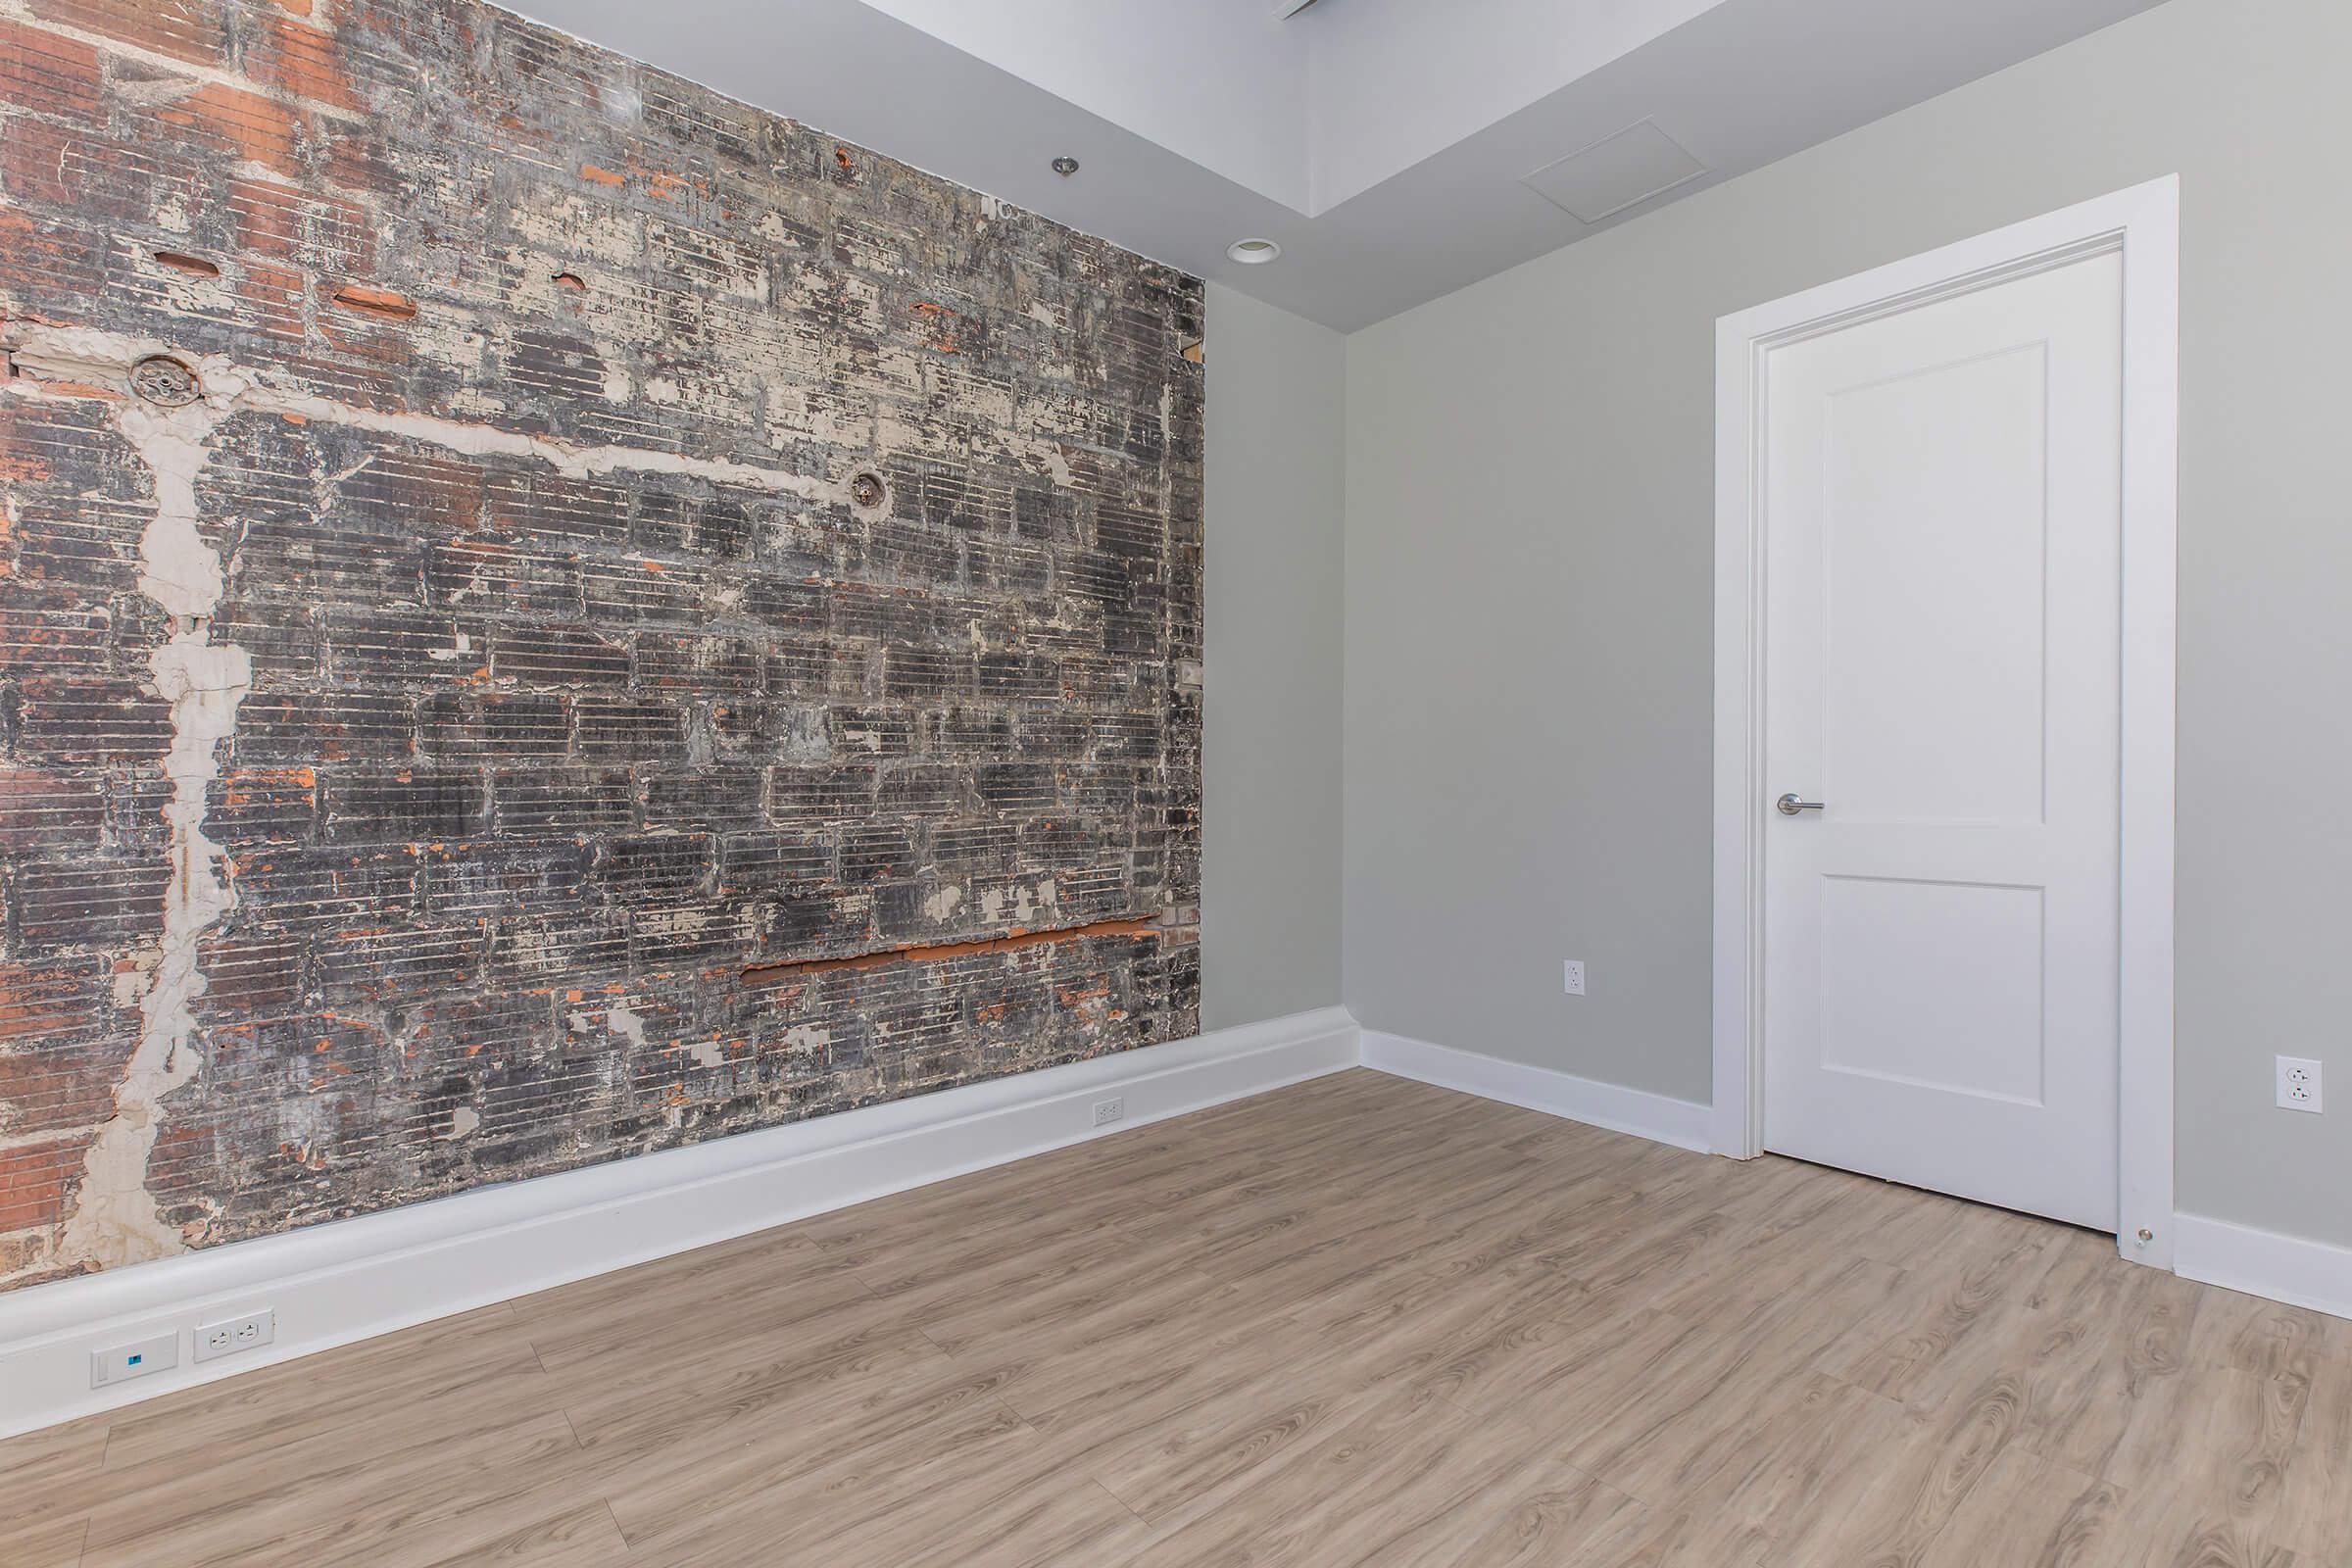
(232, 1335)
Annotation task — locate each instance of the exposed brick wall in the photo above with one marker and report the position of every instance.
(410, 743)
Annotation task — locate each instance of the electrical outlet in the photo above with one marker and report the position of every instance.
(232, 1335)
(1107, 1111)
(1572, 977)
(124, 1362)
(2298, 1084)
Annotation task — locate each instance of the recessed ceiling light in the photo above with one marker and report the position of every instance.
(1066, 166)
(1253, 252)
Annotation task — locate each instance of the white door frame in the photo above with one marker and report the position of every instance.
(2143, 224)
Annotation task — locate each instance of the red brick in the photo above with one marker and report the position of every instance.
(296, 57)
(48, 75)
(39, 261)
(33, 1178)
(275, 295)
(251, 976)
(186, 29)
(280, 222)
(43, 809)
(56, 640)
(65, 904)
(240, 123)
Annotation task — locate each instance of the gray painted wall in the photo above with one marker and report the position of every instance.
(1270, 866)
(1529, 623)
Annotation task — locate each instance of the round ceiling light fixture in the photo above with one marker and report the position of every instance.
(1066, 166)
(1253, 252)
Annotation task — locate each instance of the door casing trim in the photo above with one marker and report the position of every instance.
(2143, 224)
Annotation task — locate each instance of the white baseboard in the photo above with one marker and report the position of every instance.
(2284, 1268)
(348, 1280)
(1611, 1105)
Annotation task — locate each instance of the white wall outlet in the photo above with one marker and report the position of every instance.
(1572, 977)
(2298, 1084)
(1109, 1111)
(231, 1335)
(122, 1363)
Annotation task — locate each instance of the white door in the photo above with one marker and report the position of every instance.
(1942, 533)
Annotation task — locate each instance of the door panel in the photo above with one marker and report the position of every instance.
(1942, 645)
(1894, 1009)
(1932, 507)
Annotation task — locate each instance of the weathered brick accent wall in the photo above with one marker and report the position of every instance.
(412, 741)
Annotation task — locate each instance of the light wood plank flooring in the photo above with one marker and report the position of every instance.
(1358, 1321)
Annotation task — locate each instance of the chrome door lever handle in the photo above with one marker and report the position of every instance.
(1789, 804)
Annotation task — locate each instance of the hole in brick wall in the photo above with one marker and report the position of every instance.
(571, 280)
(170, 383)
(867, 490)
(376, 302)
(182, 261)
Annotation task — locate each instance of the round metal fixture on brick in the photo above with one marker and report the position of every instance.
(162, 379)
(868, 491)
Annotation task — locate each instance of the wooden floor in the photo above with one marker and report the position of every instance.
(1358, 1321)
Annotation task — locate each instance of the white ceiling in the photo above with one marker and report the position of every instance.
(1309, 111)
(1382, 142)
(1396, 82)
(1222, 82)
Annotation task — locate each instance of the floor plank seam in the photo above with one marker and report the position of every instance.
(628, 1546)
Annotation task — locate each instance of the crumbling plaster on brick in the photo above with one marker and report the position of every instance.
(82, 356)
(115, 1218)
(476, 814)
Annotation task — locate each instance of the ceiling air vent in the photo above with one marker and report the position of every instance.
(1615, 172)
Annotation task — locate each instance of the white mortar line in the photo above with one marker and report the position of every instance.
(89, 355)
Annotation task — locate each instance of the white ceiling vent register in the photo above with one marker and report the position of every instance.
(1615, 172)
